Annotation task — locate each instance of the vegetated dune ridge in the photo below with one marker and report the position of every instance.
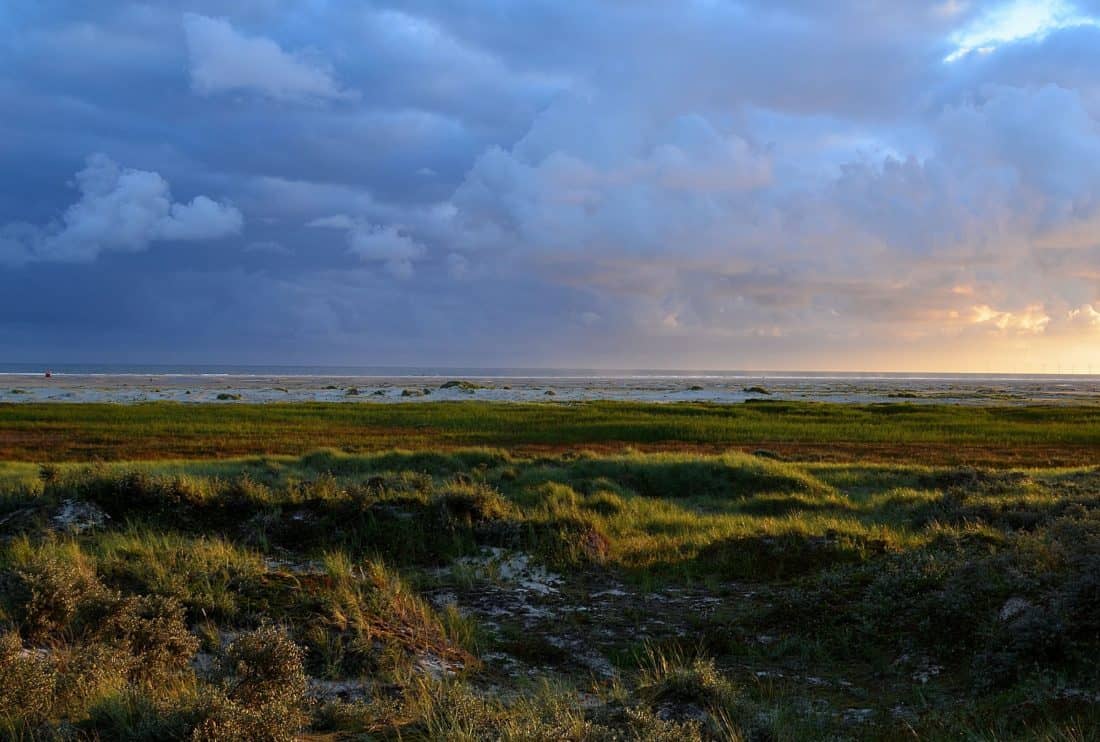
(482, 593)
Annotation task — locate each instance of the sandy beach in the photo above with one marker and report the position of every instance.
(229, 388)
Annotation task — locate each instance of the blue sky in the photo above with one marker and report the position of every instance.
(782, 184)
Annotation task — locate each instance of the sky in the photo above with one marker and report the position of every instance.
(906, 185)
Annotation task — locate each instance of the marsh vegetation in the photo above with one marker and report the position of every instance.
(1027, 436)
(560, 594)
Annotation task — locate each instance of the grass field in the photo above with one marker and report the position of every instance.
(516, 572)
(926, 433)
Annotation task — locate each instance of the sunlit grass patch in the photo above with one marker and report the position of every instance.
(401, 595)
(206, 574)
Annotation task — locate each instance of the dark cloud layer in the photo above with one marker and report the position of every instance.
(707, 183)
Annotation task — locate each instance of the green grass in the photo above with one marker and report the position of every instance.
(861, 576)
(724, 595)
(932, 433)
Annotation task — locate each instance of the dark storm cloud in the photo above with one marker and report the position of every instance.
(479, 181)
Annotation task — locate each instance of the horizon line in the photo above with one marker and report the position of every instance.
(23, 368)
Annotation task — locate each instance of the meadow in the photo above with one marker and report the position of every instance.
(933, 433)
(598, 571)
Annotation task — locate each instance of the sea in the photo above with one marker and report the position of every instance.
(436, 372)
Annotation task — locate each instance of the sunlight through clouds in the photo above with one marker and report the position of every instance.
(1016, 21)
(783, 183)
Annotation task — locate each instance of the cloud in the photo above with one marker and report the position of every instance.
(1011, 170)
(1031, 319)
(376, 243)
(640, 164)
(588, 176)
(224, 60)
(121, 210)
(1085, 316)
(1015, 21)
(702, 231)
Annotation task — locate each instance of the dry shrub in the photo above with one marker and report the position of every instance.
(49, 593)
(152, 630)
(263, 689)
(87, 673)
(27, 680)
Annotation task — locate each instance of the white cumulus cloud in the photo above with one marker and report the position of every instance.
(377, 243)
(121, 210)
(584, 178)
(225, 60)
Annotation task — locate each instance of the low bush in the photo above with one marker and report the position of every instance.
(49, 592)
(27, 681)
(263, 687)
(152, 630)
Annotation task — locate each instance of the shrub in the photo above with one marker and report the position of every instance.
(49, 592)
(263, 689)
(266, 667)
(86, 673)
(152, 630)
(27, 680)
(643, 724)
(226, 720)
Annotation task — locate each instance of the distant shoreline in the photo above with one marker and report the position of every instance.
(126, 388)
(458, 372)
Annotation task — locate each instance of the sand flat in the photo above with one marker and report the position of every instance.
(206, 388)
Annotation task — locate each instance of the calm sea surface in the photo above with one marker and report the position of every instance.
(119, 369)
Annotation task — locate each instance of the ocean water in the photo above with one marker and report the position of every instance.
(458, 372)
